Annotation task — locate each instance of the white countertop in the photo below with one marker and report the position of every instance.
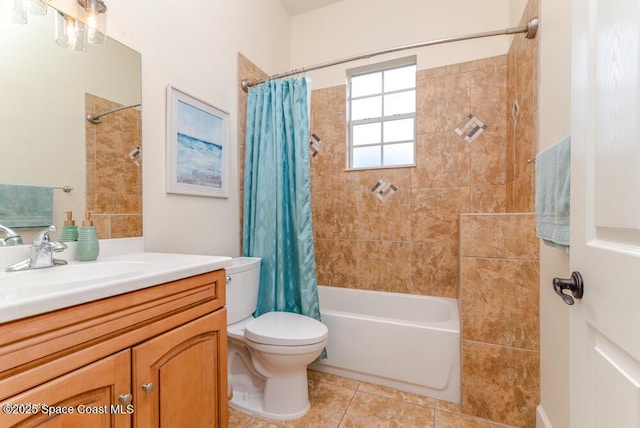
(33, 292)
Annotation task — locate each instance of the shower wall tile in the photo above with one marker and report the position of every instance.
(434, 268)
(114, 181)
(488, 199)
(522, 85)
(499, 236)
(335, 215)
(463, 67)
(389, 220)
(337, 262)
(521, 194)
(501, 303)
(488, 159)
(442, 160)
(435, 212)
(384, 266)
(488, 93)
(442, 102)
(500, 383)
(126, 225)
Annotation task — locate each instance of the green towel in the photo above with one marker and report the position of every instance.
(26, 206)
(553, 193)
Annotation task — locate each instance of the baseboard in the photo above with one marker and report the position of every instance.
(542, 421)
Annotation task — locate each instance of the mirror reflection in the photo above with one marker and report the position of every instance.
(46, 93)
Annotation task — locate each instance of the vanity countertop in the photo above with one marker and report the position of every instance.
(33, 292)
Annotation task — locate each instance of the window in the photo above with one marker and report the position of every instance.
(381, 115)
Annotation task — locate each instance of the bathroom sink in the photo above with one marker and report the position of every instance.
(32, 292)
(68, 275)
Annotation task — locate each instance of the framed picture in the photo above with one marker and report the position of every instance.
(197, 146)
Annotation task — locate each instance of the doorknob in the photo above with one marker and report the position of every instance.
(573, 284)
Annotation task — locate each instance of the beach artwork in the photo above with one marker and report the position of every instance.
(196, 146)
(199, 139)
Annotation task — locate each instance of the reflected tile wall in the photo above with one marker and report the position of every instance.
(114, 181)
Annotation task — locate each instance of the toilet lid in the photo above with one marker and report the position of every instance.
(285, 328)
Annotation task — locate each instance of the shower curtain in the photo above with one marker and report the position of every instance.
(277, 197)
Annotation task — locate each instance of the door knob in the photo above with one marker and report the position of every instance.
(575, 284)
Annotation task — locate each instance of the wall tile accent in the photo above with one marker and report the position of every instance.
(315, 144)
(383, 190)
(472, 129)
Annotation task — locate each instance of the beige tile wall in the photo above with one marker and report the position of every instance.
(522, 138)
(499, 306)
(409, 243)
(114, 181)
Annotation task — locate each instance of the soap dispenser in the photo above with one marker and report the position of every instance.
(69, 230)
(88, 245)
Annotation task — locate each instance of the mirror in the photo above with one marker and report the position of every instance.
(46, 93)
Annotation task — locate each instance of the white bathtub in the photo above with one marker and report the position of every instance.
(407, 342)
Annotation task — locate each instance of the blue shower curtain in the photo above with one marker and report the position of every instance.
(277, 197)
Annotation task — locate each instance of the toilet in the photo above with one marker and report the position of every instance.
(268, 355)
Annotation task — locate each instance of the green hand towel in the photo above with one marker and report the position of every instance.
(26, 206)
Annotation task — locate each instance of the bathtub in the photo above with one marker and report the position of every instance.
(407, 342)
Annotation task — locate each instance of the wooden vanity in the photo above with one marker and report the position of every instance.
(151, 357)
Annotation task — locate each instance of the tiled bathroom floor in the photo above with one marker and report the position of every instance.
(340, 402)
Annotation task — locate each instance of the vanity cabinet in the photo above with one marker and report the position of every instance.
(148, 358)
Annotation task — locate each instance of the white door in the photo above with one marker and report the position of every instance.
(605, 214)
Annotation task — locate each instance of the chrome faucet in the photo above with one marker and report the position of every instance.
(10, 237)
(42, 249)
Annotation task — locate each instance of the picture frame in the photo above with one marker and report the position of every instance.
(197, 146)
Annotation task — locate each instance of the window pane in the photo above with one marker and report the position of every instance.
(366, 84)
(366, 108)
(398, 130)
(366, 134)
(400, 103)
(398, 154)
(366, 157)
(400, 78)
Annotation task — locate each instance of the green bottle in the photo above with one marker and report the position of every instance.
(69, 230)
(88, 245)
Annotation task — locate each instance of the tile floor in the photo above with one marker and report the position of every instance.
(340, 402)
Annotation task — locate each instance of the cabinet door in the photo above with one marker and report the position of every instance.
(180, 377)
(92, 396)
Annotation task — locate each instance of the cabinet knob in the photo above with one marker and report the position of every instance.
(125, 399)
(148, 387)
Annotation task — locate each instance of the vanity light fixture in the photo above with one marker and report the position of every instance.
(15, 11)
(70, 33)
(90, 27)
(96, 20)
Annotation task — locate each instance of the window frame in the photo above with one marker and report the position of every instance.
(371, 69)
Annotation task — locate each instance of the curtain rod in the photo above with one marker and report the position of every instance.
(529, 31)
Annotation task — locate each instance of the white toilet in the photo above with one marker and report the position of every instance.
(268, 355)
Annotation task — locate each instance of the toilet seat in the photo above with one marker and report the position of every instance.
(285, 329)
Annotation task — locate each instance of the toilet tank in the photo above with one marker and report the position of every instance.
(243, 280)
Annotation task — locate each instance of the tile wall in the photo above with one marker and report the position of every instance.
(407, 241)
(114, 176)
(522, 90)
(499, 307)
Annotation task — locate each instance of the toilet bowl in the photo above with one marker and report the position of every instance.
(268, 355)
